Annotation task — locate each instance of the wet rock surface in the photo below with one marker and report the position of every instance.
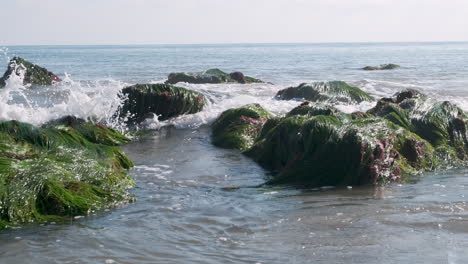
(68, 167)
(33, 74)
(317, 145)
(331, 92)
(164, 100)
(210, 76)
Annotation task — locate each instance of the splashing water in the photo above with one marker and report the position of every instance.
(96, 100)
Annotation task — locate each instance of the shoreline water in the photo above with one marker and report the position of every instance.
(183, 216)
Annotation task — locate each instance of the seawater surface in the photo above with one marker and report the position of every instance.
(183, 214)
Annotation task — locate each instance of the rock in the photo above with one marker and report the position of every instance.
(238, 77)
(164, 100)
(331, 92)
(381, 67)
(313, 109)
(339, 150)
(33, 74)
(210, 76)
(238, 128)
(441, 123)
(317, 145)
(65, 168)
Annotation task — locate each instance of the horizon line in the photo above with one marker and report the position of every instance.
(241, 43)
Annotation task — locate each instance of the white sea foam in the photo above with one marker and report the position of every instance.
(99, 100)
(96, 100)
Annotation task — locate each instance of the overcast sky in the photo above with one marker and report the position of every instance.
(29, 22)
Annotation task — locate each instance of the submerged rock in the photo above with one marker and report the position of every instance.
(65, 168)
(332, 92)
(210, 76)
(33, 74)
(381, 67)
(317, 145)
(164, 100)
(238, 128)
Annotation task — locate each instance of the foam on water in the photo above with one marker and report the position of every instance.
(97, 100)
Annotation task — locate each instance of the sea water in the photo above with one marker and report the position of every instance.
(183, 214)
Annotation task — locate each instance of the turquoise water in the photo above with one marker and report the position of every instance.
(183, 215)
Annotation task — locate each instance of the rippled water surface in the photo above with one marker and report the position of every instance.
(185, 214)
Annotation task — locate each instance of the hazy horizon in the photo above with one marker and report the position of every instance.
(164, 22)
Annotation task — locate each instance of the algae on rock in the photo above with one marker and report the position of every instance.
(239, 127)
(382, 67)
(316, 145)
(164, 100)
(210, 76)
(33, 74)
(331, 92)
(441, 123)
(65, 168)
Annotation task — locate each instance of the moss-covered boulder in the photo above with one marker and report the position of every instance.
(340, 149)
(331, 92)
(33, 74)
(239, 127)
(164, 100)
(381, 67)
(316, 145)
(210, 76)
(65, 168)
(441, 123)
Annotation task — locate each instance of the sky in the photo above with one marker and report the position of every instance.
(81, 22)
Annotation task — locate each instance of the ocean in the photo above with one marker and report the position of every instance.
(182, 214)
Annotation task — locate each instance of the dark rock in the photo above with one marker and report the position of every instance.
(331, 92)
(381, 67)
(238, 77)
(33, 74)
(164, 100)
(210, 76)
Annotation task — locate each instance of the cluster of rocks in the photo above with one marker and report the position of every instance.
(71, 166)
(315, 144)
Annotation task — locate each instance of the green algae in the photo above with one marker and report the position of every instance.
(208, 76)
(332, 92)
(238, 128)
(54, 172)
(164, 100)
(316, 145)
(382, 67)
(33, 74)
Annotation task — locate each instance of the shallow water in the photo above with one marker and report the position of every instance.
(183, 214)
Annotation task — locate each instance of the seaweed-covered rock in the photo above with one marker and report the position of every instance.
(210, 76)
(33, 74)
(239, 127)
(313, 109)
(381, 67)
(164, 100)
(316, 145)
(441, 123)
(340, 149)
(332, 92)
(65, 168)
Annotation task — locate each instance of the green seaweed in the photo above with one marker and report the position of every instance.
(381, 67)
(54, 172)
(164, 100)
(208, 76)
(334, 92)
(33, 74)
(238, 128)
